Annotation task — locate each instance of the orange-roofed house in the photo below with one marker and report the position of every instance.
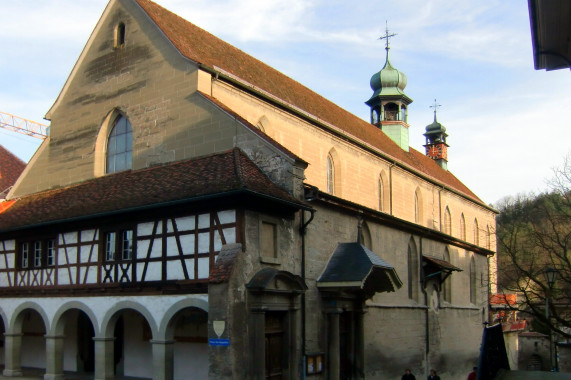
(197, 214)
(10, 169)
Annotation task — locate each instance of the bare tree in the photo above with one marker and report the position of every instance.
(534, 234)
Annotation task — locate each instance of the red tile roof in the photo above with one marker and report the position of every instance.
(213, 53)
(10, 169)
(213, 175)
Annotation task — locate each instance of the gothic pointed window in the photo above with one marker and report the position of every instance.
(476, 233)
(462, 227)
(447, 221)
(413, 271)
(384, 197)
(120, 146)
(418, 214)
(330, 175)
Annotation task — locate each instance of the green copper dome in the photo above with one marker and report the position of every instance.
(388, 81)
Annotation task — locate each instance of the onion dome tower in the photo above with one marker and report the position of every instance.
(436, 147)
(389, 103)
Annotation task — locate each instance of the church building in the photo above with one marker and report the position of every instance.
(196, 214)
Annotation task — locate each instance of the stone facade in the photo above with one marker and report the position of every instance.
(228, 263)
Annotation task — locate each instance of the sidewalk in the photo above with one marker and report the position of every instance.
(38, 374)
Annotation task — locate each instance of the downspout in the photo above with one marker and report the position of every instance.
(303, 231)
(426, 326)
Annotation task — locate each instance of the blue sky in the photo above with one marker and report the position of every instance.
(508, 124)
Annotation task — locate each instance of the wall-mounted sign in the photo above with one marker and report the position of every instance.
(219, 342)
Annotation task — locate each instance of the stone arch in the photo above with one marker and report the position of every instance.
(111, 316)
(59, 319)
(462, 227)
(476, 232)
(101, 141)
(165, 328)
(18, 316)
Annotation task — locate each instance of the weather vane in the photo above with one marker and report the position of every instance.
(435, 106)
(387, 36)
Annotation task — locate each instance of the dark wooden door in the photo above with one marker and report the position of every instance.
(275, 346)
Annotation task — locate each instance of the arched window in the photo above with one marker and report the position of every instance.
(447, 221)
(476, 233)
(403, 113)
(120, 146)
(413, 271)
(384, 196)
(447, 285)
(473, 284)
(119, 35)
(330, 175)
(462, 227)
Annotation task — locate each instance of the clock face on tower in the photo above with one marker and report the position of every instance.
(434, 151)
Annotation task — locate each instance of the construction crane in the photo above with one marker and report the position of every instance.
(24, 126)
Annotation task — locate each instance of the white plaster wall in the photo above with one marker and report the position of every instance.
(190, 361)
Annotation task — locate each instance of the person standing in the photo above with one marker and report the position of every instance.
(408, 375)
(472, 375)
(433, 375)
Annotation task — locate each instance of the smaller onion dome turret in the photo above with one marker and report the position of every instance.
(436, 147)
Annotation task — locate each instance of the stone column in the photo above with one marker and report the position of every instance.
(163, 359)
(258, 343)
(360, 344)
(334, 349)
(54, 357)
(12, 354)
(104, 359)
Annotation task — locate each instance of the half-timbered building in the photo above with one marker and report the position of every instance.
(196, 214)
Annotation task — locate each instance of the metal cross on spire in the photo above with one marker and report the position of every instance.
(435, 106)
(386, 36)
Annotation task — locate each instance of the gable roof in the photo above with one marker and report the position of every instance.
(10, 169)
(211, 176)
(212, 53)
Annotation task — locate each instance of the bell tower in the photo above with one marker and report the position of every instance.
(436, 147)
(389, 103)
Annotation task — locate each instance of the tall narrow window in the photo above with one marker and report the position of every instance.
(488, 237)
(110, 239)
(447, 221)
(127, 245)
(473, 284)
(37, 253)
(330, 175)
(413, 271)
(50, 252)
(462, 227)
(120, 146)
(381, 195)
(25, 254)
(476, 233)
(119, 35)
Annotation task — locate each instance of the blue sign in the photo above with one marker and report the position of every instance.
(219, 342)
